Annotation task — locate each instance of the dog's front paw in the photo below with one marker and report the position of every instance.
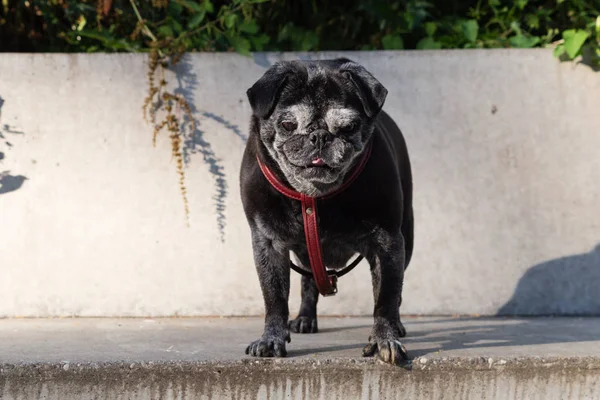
(389, 351)
(268, 346)
(304, 325)
(385, 342)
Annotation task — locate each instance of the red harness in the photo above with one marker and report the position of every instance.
(326, 282)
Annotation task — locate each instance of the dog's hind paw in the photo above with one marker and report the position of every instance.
(304, 325)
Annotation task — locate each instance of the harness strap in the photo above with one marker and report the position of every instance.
(326, 281)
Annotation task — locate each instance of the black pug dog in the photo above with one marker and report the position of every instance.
(311, 124)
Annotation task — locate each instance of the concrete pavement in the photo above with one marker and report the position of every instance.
(185, 358)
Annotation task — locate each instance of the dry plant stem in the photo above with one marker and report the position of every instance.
(145, 28)
(157, 97)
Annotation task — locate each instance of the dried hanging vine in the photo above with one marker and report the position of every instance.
(160, 105)
(159, 98)
(162, 55)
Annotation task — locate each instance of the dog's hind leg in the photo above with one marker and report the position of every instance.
(306, 322)
(387, 262)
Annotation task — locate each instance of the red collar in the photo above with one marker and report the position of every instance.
(326, 284)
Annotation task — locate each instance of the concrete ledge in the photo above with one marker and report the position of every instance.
(466, 358)
(461, 378)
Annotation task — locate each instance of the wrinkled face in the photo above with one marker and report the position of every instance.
(317, 127)
(315, 146)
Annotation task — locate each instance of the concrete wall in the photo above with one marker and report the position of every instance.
(505, 148)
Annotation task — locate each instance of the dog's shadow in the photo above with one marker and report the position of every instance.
(429, 336)
(328, 349)
(334, 329)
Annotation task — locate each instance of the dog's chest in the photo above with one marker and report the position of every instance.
(341, 235)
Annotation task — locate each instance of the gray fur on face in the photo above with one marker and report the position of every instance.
(314, 118)
(294, 152)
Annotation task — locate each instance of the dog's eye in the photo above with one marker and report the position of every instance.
(347, 128)
(289, 126)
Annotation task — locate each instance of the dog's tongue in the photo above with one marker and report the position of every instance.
(318, 162)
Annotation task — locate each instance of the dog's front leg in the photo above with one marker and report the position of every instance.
(387, 272)
(274, 275)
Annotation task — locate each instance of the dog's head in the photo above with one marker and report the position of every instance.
(315, 118)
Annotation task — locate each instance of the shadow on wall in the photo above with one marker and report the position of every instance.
(565, 286)
(8, 182)
(197, 142)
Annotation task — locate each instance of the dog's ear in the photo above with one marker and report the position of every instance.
(264, 94)
(370, 91)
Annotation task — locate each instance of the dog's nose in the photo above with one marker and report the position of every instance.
(319, 137)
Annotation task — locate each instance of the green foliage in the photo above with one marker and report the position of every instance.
(573, 41)
(392, 42)
(130, 25)
(571, 26)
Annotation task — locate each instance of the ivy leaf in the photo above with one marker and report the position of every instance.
(574, 40)
(559, 50)
(309, 41)
(230, 20)
(428, 43)
(470, 29)
(533, 21)
(287, 32)
(430, 28)
(166, 31)
(240, 45)
(259, 42)
(516, 27)
(174, 9)
(249, 27)
(176, 26)
(192, 5)
(196, 20)
(208, 6)
(521, 3)
(524, 42)
(392, 42)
